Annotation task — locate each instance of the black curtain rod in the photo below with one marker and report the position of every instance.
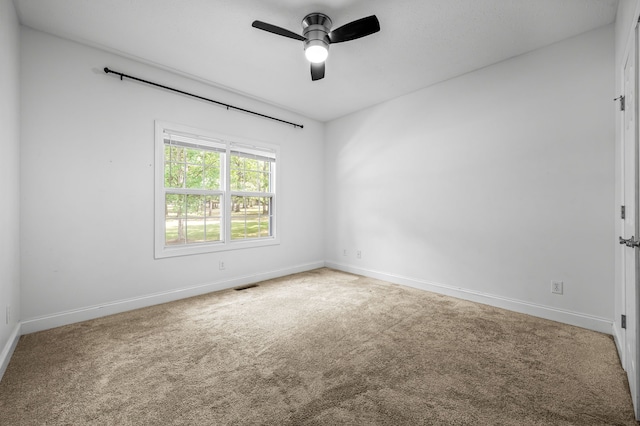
(108, 71)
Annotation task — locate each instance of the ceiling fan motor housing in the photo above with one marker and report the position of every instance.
(315, 28)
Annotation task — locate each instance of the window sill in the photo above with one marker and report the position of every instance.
(163, 252)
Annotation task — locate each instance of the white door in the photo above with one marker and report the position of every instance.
(630, 225)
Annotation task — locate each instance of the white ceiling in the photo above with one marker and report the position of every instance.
(421, 42)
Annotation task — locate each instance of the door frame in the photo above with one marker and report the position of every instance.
(630, 307)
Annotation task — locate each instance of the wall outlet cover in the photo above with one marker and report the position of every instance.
(557, 287)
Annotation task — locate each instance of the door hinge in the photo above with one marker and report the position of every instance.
(623, 321)
(621, 98)
(622, 212)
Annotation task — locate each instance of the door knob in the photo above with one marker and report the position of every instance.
(630, 242)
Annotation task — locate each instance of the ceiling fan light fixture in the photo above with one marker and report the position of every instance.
(317, 36)
(316, 51)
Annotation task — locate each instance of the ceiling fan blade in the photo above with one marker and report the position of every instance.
(317, 71)
(277, 30)
(356, 29)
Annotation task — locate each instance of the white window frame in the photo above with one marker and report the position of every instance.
(231, 143)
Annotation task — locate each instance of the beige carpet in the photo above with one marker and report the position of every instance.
(317, 348)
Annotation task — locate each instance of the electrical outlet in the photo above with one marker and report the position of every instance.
(556, 287)
(359, 254)
(344, 252)
(8, 316)
(221, 265)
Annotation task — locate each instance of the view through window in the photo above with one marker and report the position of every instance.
(213, 192)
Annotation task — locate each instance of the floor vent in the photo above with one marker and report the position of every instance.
(246, 287)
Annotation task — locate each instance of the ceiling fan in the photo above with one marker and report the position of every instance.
(317, 36)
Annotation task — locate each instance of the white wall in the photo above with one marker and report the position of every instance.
(87, 185)
(9, 184)
(487, 186)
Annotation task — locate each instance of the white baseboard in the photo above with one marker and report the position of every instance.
(45, 322)
(617, 338)
(77, 315)
(7, 351)
(590, 322)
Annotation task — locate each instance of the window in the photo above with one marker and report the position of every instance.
(212, 193)
(251, 197)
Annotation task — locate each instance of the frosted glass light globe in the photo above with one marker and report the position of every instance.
(316, 53)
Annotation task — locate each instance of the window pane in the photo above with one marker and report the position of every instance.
(237, 175)
(250, 217)
(251, 183)
(211, 175)
(238, 213)
(265, 217)
(263, 182)
(250, 174)
(251, 164)
(212, 227)
(174, 175)
(265, 204)
(252, 226)
(212, 206)
(212, 159)
(200, 221)
(192, 168)
(237, 205)
(195, 219)
(211, 178)
(176, 154)
(195, 229)
(194, 156)
(195, 205)
(194, 176)
(237, 228)
(167, 176)
(212, 213)
(265, 227)
(175, 217)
